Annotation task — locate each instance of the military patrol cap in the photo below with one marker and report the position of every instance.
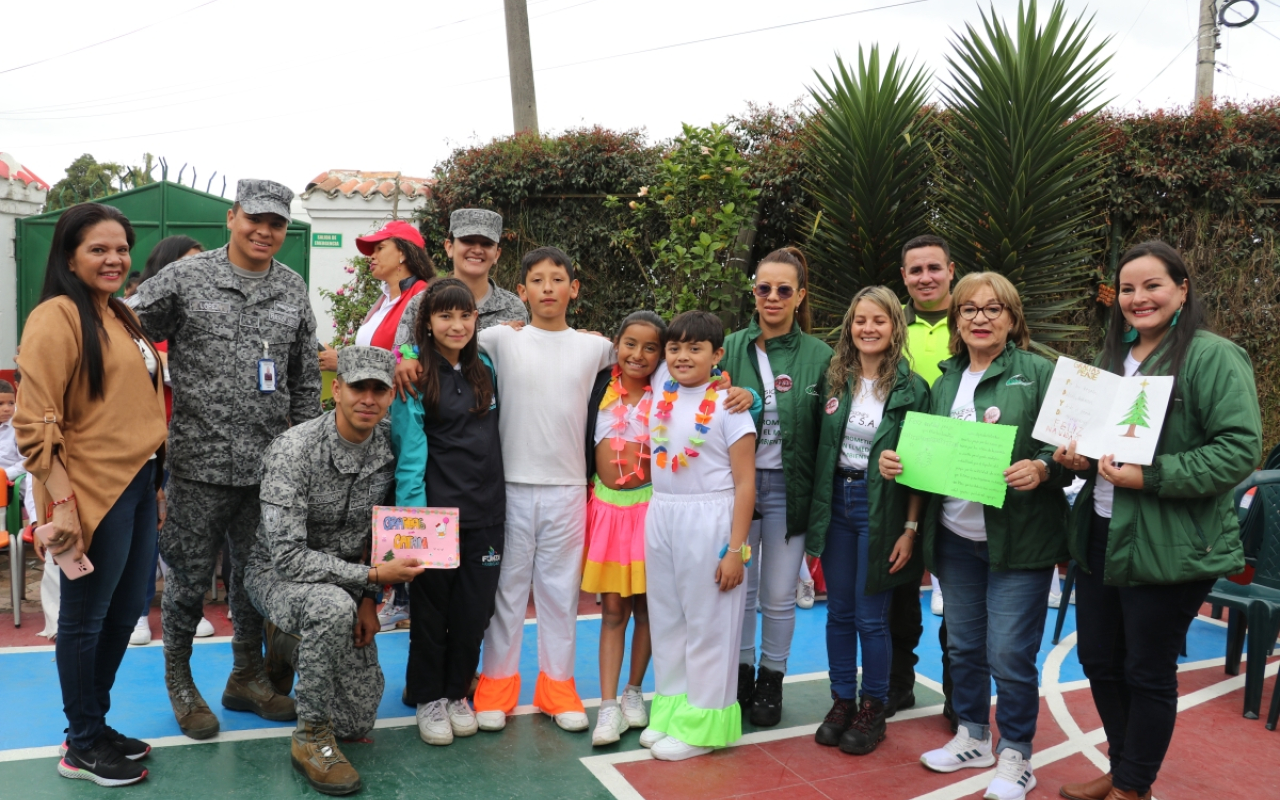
(357, 364)
(257, 196)
(476, 222)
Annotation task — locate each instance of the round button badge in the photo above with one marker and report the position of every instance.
(782, 383)
(991, 415)
(832, 405)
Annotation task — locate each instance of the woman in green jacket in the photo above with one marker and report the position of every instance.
(1151, 540)
(863, 526)
(777, 359)
(994, 563)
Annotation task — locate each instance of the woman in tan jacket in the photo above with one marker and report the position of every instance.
(90, 423)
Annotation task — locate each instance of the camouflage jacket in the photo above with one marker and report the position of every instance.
(317, 504)
(499, 306)
(216, 324)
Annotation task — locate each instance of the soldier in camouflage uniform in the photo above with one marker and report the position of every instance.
(308, 572)
(243, 368)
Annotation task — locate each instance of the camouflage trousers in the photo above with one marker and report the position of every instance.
(202, 516)
(337, 681)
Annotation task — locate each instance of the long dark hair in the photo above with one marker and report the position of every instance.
(60, 281)
(167, 251)
(449, 294)
(1172, 350)
(792, 257)
(416, 259)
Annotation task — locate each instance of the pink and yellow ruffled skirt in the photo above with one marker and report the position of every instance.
(614, 557)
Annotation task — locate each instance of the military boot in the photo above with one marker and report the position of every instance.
(249, 690)
(282, 658)
(193, 714)
(315, 754)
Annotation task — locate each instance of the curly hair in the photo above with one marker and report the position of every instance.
(846, 362)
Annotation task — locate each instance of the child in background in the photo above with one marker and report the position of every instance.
(703, 463)
(454, 420)
(545, 374)
(11, 461)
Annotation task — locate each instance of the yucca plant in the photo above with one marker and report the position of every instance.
(871, 164)
(1020, 185)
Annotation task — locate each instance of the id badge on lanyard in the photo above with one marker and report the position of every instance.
(266, 371)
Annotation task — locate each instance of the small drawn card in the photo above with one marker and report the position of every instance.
(1104, 413)
(427, 534)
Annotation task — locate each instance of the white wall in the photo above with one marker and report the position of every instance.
(16, 200)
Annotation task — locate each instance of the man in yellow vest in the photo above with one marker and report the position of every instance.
(927, 271)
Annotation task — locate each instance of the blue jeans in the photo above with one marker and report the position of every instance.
(851, 613)
(99, 611)
(995, 621)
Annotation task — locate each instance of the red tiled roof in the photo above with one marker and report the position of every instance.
(350, 182)
(10, 169)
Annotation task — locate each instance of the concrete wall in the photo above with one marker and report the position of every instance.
(16, 200)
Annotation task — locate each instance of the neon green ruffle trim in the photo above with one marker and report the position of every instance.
(622, 498)
(701, 727)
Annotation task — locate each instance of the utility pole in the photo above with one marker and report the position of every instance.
(1205, 55)
(524, 103)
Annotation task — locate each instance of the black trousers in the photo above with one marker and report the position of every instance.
(905, 629)
(1128, 643)
(449, 610)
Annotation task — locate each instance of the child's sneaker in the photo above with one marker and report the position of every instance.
(204, 628)
(633, 709)
(672, 749)
(491, 720)
(461, 718)
(961, 752)
(433, 723)
(572, 721)
(141, 632)
(650, 737)
(102, 764)
(610, 725)
(390, 615)
(1013, 779)
(804, 594)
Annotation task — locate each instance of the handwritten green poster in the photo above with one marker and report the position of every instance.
(956, 457)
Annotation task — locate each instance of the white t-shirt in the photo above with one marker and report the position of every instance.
(710, 471)
(1104, 491)
(364, 335)
(544, 380)
(769, 450)
(860, 431)
(964, 517)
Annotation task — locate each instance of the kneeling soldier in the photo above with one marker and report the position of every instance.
(308, 571)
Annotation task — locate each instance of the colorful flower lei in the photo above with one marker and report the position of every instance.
(615, 392)
(701, 425)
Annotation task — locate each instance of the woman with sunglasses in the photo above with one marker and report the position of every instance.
(777, 359)
(994, 563)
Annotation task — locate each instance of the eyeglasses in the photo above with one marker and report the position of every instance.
(784, 291)
(990, 310)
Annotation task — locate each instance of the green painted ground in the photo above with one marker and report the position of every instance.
(532, 758)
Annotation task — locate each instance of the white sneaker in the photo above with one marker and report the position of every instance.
(650, 737)
(141, 632)
(461, 718)
(672, 749)
(433, 723)
(804, 594)
(1073, 597)
(572, 721)
(633, 708)
(935, 603)
(961, 752)
(1055, 599)
(391, 614)
(205, 628)
(491, 720)
(1013, 779)
(610, 725)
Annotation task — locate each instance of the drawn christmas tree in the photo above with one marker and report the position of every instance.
(1137, 416)
(389, 556)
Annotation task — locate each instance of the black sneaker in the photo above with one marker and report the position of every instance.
(899, 700)
(766, 703)
(836, 722)
(132, 749)
(867, 730)
(101, 764)
(746, 685)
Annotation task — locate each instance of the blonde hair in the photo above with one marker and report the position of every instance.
(1005, 293)
(847, 360)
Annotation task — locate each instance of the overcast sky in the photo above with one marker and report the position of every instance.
(285, 89)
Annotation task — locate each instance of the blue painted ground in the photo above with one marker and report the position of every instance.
(31, 704)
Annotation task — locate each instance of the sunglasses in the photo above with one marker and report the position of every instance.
(764, 290)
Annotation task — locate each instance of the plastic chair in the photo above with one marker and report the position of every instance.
(1273, 715)
(1255, 608)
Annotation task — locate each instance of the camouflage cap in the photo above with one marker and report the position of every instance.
(476, 222)
(358, 363)
(257, 196)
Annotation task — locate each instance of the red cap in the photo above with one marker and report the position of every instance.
(397, 228)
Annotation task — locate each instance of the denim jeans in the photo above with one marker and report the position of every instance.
(853, 615)
(995, 621)
(99, 611)
(773, 574)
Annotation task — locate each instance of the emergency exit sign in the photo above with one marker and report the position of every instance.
(326, 240)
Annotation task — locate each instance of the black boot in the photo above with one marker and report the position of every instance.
(766, 702)
(837, 722)
(867, 730)
(950, 714)
(746, 685)
(899, 700)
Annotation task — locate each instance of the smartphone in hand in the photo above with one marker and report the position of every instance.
(66, 560)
